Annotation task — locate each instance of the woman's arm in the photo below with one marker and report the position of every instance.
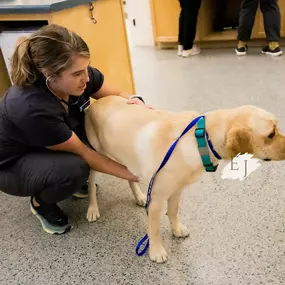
(107, 90)
(94, 159)
(98, 88)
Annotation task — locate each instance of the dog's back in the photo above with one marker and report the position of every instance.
(138, 137)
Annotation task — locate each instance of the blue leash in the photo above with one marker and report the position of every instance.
(166, 158)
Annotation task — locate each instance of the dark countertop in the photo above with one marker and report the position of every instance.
(37, 6)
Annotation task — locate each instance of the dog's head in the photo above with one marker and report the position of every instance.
(254, 130)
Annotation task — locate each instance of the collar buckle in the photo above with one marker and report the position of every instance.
(200, 134)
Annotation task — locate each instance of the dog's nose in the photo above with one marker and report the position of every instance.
(267, 159)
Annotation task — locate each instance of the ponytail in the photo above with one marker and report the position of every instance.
(23, 71)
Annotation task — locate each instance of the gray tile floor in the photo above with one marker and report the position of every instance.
(237, 228)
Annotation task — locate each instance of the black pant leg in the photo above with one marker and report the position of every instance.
(272, 19)
(181, 24)
(51, 176)
(246, 19)
(191, 11)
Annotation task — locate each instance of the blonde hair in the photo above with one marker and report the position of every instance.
(50, 48)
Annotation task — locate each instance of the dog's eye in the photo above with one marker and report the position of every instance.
(271, 136)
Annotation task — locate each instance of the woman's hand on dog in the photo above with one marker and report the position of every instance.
(133, 178)
(137, 101)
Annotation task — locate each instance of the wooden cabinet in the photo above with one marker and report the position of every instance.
(165, 15)
(107, 40)
(4, 78)
(282, 10)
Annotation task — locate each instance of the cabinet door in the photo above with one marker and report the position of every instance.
(258, 30)
(165, 17)
(107, 40)
(282, 10)
(5, 82)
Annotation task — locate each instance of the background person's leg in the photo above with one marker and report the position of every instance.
(191, 12)
(272, 25)
(49, 176)
(181, 29)
(246, 21)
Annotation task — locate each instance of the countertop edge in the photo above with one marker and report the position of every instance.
(41, 9)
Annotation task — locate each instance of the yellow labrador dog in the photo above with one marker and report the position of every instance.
(139, 138)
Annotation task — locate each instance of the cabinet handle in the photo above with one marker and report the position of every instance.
(91, 8)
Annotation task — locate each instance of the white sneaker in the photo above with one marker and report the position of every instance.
(193, 51)
(180, 50)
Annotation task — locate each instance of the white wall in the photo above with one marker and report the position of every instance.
(8, 41)
(141, 33)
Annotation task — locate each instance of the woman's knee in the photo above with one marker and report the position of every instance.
(73, 169)
(68, 176)
(78, 168)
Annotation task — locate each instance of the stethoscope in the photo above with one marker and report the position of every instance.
(60, 99)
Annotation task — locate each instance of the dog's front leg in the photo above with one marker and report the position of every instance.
(93, 210)
(178, 229)
(139, 196)
(157, 252)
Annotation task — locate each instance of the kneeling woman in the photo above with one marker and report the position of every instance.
(43, 150)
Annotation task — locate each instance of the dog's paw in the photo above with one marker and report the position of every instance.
(181, 231)
(93, 214)
(157, 254)
(141, 200)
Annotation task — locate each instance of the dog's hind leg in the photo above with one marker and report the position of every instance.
(139, 196)
(178, 229)
(93, 210)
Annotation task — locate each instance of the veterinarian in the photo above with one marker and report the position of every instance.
(43, 149)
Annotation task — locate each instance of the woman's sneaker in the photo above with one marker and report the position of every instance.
(276, 52)
(83, 192)
(53, 220)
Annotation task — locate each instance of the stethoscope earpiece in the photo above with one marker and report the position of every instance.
(62, 100)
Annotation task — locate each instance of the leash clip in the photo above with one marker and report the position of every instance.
(145, 238)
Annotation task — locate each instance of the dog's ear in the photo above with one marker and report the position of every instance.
(262, 125)
(238, 141)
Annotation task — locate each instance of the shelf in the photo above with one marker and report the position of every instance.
(230, 35)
